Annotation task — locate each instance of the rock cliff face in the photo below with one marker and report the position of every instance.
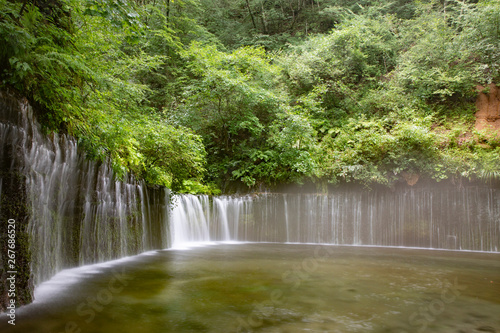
(13, 205)
(488, 108)
(68, 211)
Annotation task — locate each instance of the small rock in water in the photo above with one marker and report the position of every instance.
(478, 315)
(486, 329)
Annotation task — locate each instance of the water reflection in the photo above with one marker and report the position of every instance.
(275, 288)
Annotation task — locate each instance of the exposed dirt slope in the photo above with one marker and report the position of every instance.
(488, 108)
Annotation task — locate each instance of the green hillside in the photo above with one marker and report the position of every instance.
(195, 94)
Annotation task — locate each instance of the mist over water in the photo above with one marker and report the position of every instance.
(273, 288)
(81, 214)
(443, 218)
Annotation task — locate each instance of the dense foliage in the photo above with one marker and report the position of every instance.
(194, 94)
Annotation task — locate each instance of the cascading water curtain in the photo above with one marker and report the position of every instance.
(442, 218)
(79, 212)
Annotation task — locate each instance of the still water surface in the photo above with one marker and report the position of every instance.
(273, 288)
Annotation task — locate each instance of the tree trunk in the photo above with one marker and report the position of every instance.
(22, 8)
(251, 15)
(264, 22)
(167, 14)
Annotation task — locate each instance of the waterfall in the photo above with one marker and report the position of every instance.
(440, 218)
(188, 220)
(198, 219)
(79, 212)
(222, 205)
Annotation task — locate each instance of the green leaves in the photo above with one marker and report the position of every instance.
(145, 84)
(85, 84)
(120, 13)
(434, 66)
(172, 156)
(346, 62)
(234, 102)
(365, 151)
(450, 51)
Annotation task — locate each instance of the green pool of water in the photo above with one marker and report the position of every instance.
(273, 288)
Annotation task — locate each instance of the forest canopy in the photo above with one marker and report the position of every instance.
(195, 94)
